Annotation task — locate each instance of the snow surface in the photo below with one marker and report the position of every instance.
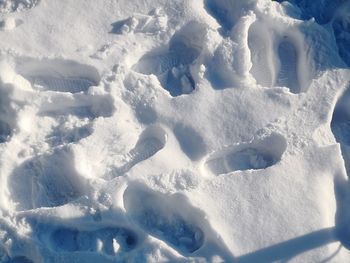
(174, 131)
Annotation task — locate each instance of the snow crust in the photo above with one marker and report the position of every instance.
(174, 131)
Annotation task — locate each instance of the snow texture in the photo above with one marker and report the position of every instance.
(174, 131)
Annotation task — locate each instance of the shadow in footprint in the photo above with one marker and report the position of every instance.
(5, 131)
(191, 142)
(46, 181)
(109, 240)
(160, 218)
(7, 115)
(172, 66)
(117, 27)
(151, 141)
(223, 11)
(288, 58)
(341, 29)
(258, 154)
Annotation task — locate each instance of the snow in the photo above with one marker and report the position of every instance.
(174, 131)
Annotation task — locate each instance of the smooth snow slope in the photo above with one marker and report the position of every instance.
(174, 131)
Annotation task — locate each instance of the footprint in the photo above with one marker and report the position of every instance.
(172, 66)
(288, 61)
(63, 87)
(258, 154)
(158, 215)
(109, 241)
(58, 75)
(275, 59)
(151, 141)
(46, 181)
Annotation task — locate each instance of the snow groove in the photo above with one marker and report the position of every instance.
(151, 141)
(277, 58)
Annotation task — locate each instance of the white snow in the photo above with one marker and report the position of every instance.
(174, 131)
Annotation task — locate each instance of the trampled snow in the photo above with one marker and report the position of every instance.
(174, 131)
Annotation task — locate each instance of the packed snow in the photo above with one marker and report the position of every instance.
(174, 131)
